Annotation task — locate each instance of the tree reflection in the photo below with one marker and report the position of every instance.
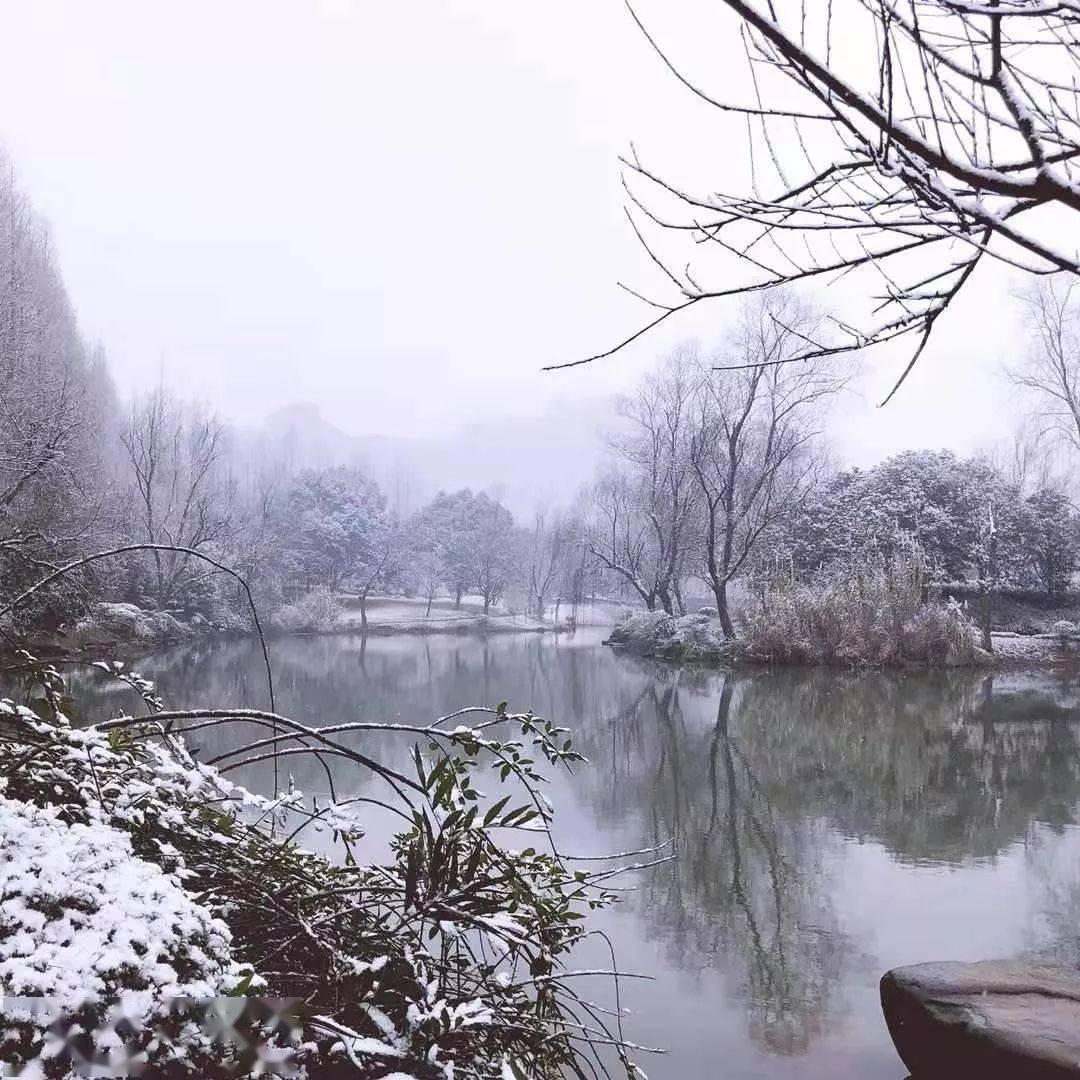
(745, 894)
(762, 777)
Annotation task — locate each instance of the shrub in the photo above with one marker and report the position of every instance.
(445, 960)
(84, 924)
(655, 633)
(867, 613)
(317, 612)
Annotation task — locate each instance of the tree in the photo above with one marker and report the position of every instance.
(447, 526)
(941, 503)
(1052, 540)
(179, 493)
(496, 552)
(380, 564)
(905, 141)
(549, 548)
(648, 514)
(425, 566)
(56, 408)
(620, 536)
(752, 441)
(1052, 368)
(333, 518)
(1027, 457)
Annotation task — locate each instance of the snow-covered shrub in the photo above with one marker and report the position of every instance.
(132, 623)
(317, 612)
(861, 614)
(445, 960)
(655, 633)
(642, 628)
(100, 934)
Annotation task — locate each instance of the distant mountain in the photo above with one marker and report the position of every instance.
(529, 462)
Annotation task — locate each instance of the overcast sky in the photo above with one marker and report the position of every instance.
(398, 211)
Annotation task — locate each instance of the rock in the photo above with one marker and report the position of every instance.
(128, 622)
(710, 611)
(988, 1020)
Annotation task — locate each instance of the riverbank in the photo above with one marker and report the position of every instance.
(111, 629)
(406, 615)
(700, 639)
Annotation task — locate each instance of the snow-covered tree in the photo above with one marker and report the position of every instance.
(498, 549)
(446, 527)
(332, 521)
(1052, 540)
(56, 408)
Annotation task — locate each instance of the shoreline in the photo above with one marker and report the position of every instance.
(1038, 652)
(1013, 651)
(76, 646)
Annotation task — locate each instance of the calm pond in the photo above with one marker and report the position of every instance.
(829, 826)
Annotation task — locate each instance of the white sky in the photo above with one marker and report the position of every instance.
(398, 211)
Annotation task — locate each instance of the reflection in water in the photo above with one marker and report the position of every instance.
(746, 892)
(774, 785)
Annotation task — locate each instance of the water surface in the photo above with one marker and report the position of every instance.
(829, 826)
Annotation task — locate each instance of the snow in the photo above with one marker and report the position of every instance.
(81, 917)
(91, 933)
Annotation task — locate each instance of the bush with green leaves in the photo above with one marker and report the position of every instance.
(447, 959)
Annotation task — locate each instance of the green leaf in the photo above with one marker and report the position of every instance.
(494, 812)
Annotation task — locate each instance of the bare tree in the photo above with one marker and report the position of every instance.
(180, 495)
(661, 495)
(550, 545)
(1051, 372)
(901, 139)
(1028, 458)
(754, 425)
(620, 536)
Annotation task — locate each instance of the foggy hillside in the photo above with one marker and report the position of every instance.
(529, 461)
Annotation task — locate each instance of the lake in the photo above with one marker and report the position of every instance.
(829, 825)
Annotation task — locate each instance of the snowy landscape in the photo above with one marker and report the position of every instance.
(421, 659)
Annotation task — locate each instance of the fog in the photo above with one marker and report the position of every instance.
(399, 214)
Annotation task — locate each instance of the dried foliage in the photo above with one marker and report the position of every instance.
(875, 613)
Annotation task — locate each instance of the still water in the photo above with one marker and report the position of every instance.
(829, 826)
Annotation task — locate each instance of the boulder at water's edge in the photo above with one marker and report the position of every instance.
(987, 1020)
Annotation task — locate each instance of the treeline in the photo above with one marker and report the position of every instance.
(336, 531)
(719, 476)
(80, 474)
(973, 523)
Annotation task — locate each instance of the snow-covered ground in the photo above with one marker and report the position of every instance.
(409, 615)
